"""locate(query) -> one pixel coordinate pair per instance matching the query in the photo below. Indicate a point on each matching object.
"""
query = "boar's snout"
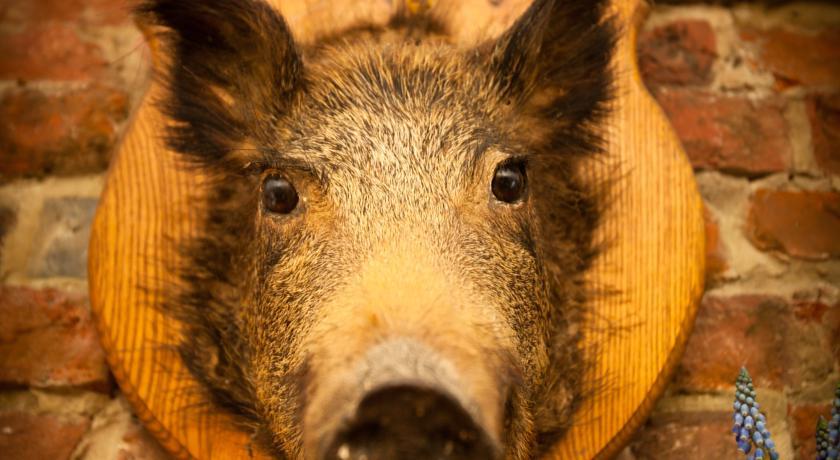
(409, 421)
(404, 401)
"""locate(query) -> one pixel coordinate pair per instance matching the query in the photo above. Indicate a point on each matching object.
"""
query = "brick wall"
(70, 73)
(754, 93)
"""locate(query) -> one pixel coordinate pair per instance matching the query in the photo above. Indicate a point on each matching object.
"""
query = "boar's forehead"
(390, 112)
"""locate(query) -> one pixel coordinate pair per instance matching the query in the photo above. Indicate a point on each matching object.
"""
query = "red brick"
(686, 435)
(791, 346)
(804, 420)
(824, 114)
(730, 332)
(812, 306)
(51, 51)
(810, 311)
(802, 224)
(25, 436)
(807, 351)
(47, 339)
(730, 134)
(87, 12)
(69, 133)
(716, 263)
(813, 348)
(679, 53)
(798, 58)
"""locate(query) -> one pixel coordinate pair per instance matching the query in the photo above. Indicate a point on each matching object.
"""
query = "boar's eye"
(279, 195)
(509, 181)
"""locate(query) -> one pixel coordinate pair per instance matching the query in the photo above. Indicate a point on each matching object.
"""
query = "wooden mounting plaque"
(655, 261)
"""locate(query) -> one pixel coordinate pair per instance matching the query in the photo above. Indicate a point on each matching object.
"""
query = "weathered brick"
(678, 53)
(810, 310)
(833, 321)
(808, 351)
(730, 332)
(730, 134)
(7, 221)
(677, 436)
(804, 423)
(803, 224)
(47, 339)
(797, 58)
(783, 344)
(62, 238)
(716, 263)
(26, 436)
(49, 51)
(85, 12)
(70, 133)
(824, 114)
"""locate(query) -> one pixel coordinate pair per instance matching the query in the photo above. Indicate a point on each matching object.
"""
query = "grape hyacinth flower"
(750, 428)
(822, 439)
(832, 431)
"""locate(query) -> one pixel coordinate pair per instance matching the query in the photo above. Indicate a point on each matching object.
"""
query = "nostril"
(409, 422)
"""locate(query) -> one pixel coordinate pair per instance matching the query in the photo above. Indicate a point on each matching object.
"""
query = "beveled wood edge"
(624, 435)
(161, 434)
(176, 448)
(622, 438)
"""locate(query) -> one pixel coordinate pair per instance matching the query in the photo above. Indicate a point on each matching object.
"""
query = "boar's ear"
(233, 67)
(555, 60)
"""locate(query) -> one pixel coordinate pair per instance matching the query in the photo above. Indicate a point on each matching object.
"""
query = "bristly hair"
(235, 70)
(554, 65)
(234, 66)
(554, 61)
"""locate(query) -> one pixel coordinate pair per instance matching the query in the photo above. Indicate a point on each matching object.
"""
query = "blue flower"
(750, 427)
(822, 439)
(827, 435)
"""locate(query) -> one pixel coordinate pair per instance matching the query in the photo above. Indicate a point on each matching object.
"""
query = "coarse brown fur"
(391, 135)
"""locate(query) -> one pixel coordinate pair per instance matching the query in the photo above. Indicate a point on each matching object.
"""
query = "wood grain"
(655, 259)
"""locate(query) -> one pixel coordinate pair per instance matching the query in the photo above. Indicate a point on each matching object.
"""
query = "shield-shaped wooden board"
(655, 259)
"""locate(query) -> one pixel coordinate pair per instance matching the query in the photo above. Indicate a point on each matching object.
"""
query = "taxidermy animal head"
(395, 227)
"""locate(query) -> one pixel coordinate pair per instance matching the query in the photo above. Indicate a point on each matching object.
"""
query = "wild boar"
(396, 228)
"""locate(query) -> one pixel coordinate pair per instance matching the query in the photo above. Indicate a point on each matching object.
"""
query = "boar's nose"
(410, 422)
(404, 400)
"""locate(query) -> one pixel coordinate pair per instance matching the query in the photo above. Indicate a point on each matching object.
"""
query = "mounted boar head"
(395, 231)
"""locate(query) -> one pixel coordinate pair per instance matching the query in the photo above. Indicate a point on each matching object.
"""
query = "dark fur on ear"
(233, 65)
(554, 62)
